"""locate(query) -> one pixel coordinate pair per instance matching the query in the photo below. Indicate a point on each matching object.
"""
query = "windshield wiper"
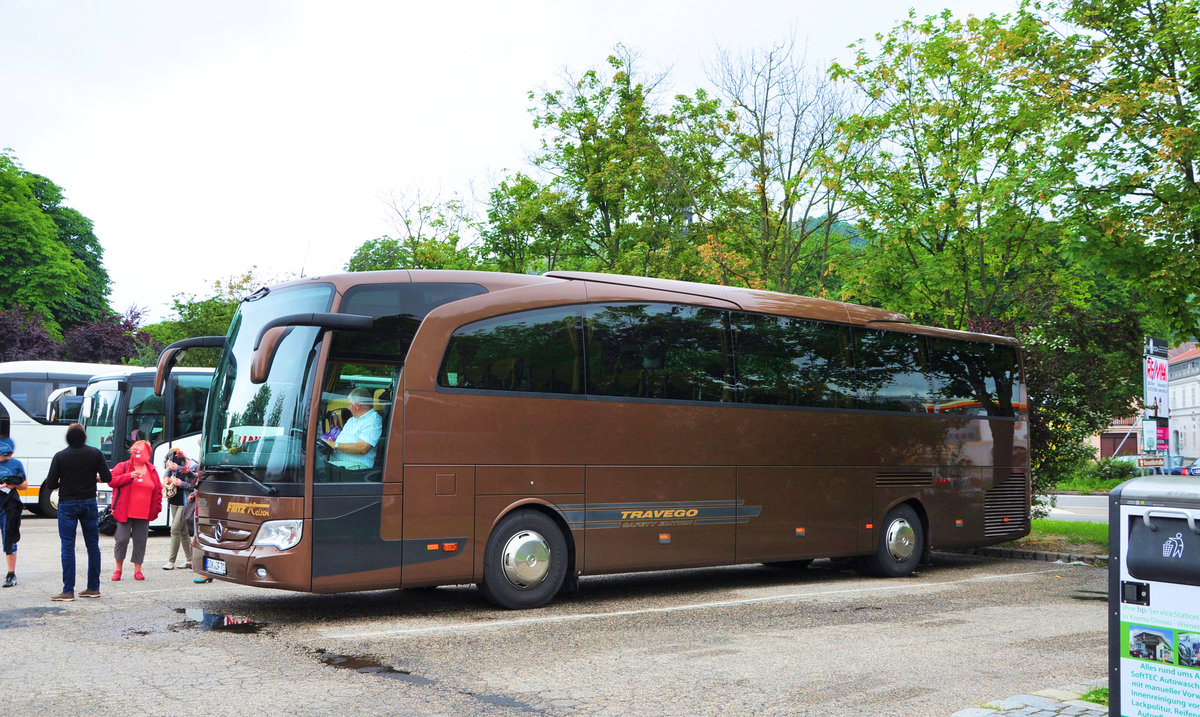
(269, 490)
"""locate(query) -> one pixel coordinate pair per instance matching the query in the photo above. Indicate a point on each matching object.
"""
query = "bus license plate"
(214, 566)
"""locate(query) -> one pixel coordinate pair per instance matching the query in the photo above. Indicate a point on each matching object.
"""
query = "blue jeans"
(84, 513)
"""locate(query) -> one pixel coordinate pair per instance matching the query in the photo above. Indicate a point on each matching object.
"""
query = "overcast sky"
(206, 137)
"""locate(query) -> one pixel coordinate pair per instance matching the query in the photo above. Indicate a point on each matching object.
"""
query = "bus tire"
(47, 507)
(899, 547)
(525, 562)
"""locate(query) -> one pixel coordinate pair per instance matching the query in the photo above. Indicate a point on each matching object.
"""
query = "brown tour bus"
(417, 428)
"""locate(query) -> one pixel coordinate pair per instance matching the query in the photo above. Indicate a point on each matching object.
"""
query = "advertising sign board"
(1154, 597)
(1155, 371)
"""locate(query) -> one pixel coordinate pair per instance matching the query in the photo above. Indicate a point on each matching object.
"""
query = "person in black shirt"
(75, 471)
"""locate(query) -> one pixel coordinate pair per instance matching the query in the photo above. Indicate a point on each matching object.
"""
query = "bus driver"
(355, 445)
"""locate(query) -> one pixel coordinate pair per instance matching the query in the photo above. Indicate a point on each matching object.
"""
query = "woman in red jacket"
(138, 501)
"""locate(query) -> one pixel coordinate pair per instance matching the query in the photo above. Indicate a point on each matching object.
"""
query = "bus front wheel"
(525, 561)
(899, 547)
(47, 505)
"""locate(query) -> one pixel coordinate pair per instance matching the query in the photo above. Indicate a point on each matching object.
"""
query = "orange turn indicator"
(870, 526)
(450, 547)
(664, 538)
(799, 532)
(432, 546)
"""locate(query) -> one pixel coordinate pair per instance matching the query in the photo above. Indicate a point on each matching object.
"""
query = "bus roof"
(754, 300)
(129, 371)
(52, 369)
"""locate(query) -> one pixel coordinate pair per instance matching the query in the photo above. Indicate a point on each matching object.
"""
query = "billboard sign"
(1154, 378)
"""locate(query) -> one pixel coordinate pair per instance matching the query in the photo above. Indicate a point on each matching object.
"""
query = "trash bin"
(1154, 597)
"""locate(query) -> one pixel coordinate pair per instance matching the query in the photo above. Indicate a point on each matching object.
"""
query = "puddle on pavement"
(216, 621)
(17, 617)
(367, 666)
(505, 702)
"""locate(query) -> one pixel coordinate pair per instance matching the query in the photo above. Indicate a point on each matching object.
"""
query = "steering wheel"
(325, 445)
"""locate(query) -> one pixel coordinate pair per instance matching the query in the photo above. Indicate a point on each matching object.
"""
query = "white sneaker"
(168, 566)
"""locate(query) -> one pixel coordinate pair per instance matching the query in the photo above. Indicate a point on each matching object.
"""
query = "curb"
(1063, 701)
(1045, 556)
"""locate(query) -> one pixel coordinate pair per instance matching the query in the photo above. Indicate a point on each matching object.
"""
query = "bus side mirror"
(275, 330)
(264, 354)
(169, 355)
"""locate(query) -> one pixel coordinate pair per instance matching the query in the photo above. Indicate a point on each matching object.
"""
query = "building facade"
(1184, 386)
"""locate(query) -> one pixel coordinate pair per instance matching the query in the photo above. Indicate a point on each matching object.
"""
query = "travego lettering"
(666, 513)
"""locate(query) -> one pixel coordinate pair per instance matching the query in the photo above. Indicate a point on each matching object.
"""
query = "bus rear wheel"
(899, 547)
(525, 561)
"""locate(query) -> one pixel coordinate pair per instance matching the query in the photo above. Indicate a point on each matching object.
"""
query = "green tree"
(430, 236)
(529, 227)
(963, 174)
(970, 160)
(207, 316)
(75, 233)
(638, 180)
(1129, 85)
(783, 135)
(41, 271)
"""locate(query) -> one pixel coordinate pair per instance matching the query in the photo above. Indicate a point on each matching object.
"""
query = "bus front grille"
(1006, 507)
(903, 478)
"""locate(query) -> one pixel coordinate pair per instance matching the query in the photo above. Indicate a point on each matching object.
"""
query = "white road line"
(501, 624)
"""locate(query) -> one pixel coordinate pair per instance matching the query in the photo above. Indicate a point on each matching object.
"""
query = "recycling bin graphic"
(1154, 597)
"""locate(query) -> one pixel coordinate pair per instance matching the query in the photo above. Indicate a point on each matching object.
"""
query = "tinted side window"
(664, 351)
(536, 351)
(891, 371)
(399, 309)
(973, 378)
(791, 362)
(145, 422)
(191, 393)
(31, 395)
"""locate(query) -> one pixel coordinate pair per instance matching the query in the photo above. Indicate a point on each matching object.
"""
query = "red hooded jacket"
(122, 475)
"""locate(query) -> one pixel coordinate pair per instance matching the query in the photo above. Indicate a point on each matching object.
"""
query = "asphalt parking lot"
(736, 640)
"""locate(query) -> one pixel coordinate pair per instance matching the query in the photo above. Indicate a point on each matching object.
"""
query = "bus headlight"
(282, 534)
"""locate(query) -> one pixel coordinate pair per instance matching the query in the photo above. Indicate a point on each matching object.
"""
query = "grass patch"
(1086, 485)
(1062, 536)
(1099, 696)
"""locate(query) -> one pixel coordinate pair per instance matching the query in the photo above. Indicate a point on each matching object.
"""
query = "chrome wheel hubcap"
(901, 540)
(526, 559)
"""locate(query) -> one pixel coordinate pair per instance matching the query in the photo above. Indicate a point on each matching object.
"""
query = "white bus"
(119, 407)
(38, 400)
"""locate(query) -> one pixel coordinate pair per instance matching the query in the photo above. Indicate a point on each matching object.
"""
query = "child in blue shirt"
(12, 479)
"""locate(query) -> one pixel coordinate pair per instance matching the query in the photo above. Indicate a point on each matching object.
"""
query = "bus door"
(355, 509)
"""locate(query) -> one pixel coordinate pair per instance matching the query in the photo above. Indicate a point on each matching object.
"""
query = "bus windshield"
(258, 431)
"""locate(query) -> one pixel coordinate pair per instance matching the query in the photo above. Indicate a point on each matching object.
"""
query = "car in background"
(1191, 469)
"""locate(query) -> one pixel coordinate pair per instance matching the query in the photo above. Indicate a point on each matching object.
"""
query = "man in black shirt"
(75, 471)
